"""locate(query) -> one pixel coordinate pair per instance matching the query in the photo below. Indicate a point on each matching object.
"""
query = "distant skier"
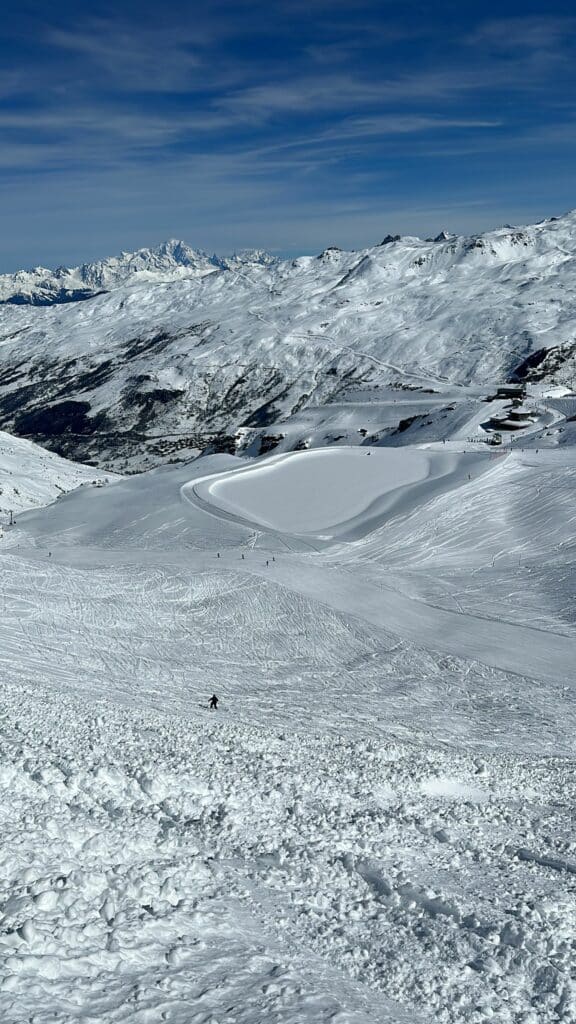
(213, 705)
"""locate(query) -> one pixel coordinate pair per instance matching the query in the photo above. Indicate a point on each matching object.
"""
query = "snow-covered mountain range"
(185, 351)
(171, 260)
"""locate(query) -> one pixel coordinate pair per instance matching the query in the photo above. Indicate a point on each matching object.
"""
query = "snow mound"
(342, 490)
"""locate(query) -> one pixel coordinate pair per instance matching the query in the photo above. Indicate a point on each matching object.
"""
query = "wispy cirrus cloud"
(190, 109)
(160, 59)
(374, 128)
(526, 33)
(302, 94)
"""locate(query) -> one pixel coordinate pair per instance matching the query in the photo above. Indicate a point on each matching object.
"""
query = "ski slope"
(377, 825)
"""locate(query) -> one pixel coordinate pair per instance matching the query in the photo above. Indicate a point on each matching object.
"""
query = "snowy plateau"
(338, 493)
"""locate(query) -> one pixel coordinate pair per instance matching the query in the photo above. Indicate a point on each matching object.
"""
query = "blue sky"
(288, 125)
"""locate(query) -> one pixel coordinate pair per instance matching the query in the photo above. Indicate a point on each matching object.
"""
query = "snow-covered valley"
(377, 824)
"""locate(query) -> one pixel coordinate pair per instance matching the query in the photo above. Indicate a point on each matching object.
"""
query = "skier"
(213, 705)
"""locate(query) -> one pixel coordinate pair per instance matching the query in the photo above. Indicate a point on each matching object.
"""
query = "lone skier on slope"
(213, 705)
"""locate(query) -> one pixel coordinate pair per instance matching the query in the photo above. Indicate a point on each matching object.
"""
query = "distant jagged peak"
(568, 219)
(548, 233)
(167, 254)
(174, 253)
(177, 249)
(170, 258)
(254, 257)
(331, 253)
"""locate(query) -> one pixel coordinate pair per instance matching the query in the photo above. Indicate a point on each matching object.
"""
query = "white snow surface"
(303, 493)
(30, 475)
(378, 822)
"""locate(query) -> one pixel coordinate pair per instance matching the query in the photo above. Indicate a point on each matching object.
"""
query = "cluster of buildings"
(516, 416)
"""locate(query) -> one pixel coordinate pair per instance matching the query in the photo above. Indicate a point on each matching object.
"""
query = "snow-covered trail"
(162, 636)
(525, 651)
(509, 647)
